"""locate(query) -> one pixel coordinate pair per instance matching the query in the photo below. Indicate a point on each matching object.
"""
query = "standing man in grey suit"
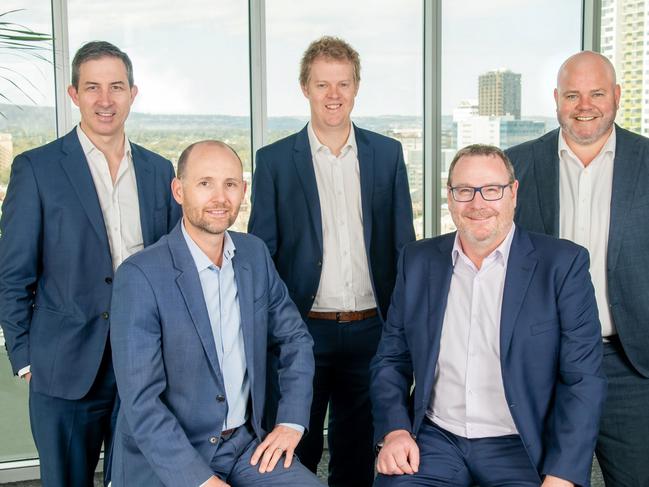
(194, 317)
(333, 205)
(587, 181)
(75, 209)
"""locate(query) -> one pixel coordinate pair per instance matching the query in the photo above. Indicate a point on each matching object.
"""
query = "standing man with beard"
(75, 209)
(587, 181)
(333, 205)
(498, 329)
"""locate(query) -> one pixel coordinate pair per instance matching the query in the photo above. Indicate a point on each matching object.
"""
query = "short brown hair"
(482, 150)
(331, 48)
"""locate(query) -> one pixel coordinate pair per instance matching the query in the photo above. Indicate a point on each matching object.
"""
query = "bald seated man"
(587, 181)
(194, 318)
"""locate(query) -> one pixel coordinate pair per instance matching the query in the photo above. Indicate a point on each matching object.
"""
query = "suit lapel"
(546, 170)
(625, 182)
(145, 179)
(440, 272)
(190, 287)
(245, 293)
(75, 165)
(306, 173)
(520, 269)
(366, 169)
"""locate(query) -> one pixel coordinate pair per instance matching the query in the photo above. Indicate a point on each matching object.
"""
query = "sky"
(192, 56)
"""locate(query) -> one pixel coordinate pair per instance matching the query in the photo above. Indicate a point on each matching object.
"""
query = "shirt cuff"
(206, 481)
(24, 371)
(297, 427)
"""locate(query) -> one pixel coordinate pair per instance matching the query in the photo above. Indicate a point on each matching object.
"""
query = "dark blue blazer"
(537, 168)
(167, 368)
(286, 212)
(55, 265)
(550, 348)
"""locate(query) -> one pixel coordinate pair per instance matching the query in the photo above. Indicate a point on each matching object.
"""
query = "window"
(499, 65)
(27, 120)
(389, 39)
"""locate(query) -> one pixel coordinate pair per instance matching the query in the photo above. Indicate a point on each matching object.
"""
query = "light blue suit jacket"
(550, 348)
(56, 269)
(166, 363)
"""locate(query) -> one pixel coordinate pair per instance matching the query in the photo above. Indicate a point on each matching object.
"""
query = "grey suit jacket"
(537, 168)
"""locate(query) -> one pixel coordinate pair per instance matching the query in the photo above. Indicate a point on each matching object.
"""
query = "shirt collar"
(317, 146)
(500, 254)
(563, 148)
(88, 147)
(201, 260)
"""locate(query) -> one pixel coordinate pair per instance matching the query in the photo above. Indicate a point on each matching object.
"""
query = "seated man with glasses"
(498, 328)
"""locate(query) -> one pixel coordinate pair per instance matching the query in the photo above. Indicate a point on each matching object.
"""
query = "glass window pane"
(27, 120)
(624, 41)
(389, 40)
(499, 67)
(190, 63)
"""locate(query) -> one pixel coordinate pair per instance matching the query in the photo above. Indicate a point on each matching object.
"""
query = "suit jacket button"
(109, 280)
(319, 263)
(312, 296)
(105, 315)
(213, 440)
(220, 398)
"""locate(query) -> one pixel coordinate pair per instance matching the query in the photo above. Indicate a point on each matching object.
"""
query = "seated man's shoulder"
(553, 248)
(428, 247)
(154, 256)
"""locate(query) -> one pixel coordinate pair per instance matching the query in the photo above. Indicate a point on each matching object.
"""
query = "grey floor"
(322, 474)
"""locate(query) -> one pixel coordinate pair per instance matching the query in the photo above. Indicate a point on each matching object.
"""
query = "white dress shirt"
(585, 213)
(468, 395)
(345, 283)
(118, 201)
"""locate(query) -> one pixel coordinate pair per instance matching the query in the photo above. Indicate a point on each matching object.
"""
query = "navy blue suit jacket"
(55, 264)
(627, 262)
(167, 368)
(550, 348)
(286, 212)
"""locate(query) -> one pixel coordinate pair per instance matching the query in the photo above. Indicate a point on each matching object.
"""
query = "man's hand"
(281, 441)
(27, 377)
(551, 481)
(399, 455)
(214, 481)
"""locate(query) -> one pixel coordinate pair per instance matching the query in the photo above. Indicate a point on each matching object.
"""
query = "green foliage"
(17, 39)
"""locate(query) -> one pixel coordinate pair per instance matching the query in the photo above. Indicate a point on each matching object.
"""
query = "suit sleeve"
(20, 252)
(141, 380)
(404, 231)
(288, 333)
(573, 424)
(263, 215)
(391, 372)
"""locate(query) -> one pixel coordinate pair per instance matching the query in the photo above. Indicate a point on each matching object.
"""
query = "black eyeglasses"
(490, 192)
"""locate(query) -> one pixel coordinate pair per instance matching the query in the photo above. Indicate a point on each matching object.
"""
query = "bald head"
(587, 99)
(587, 61)
(201, 146)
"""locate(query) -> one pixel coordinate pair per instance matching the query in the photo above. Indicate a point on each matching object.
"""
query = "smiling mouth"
(333, 106)
(107, 115)
(217, 213)
(585, 119)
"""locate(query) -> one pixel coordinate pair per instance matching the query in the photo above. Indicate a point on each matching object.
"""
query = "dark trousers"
(447, 460)
(69, 434)
(623, 443)
(343, 352)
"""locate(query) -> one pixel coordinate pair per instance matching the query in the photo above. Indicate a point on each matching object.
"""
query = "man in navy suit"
(75, 208)
(498, 328)
(587, 182)
(194, 317)
(333, 205)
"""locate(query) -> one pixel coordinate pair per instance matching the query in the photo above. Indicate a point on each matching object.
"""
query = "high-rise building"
(625, 25)
(499, 94)
(6, 150)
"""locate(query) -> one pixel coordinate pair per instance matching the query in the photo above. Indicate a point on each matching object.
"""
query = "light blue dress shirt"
(222, 301)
